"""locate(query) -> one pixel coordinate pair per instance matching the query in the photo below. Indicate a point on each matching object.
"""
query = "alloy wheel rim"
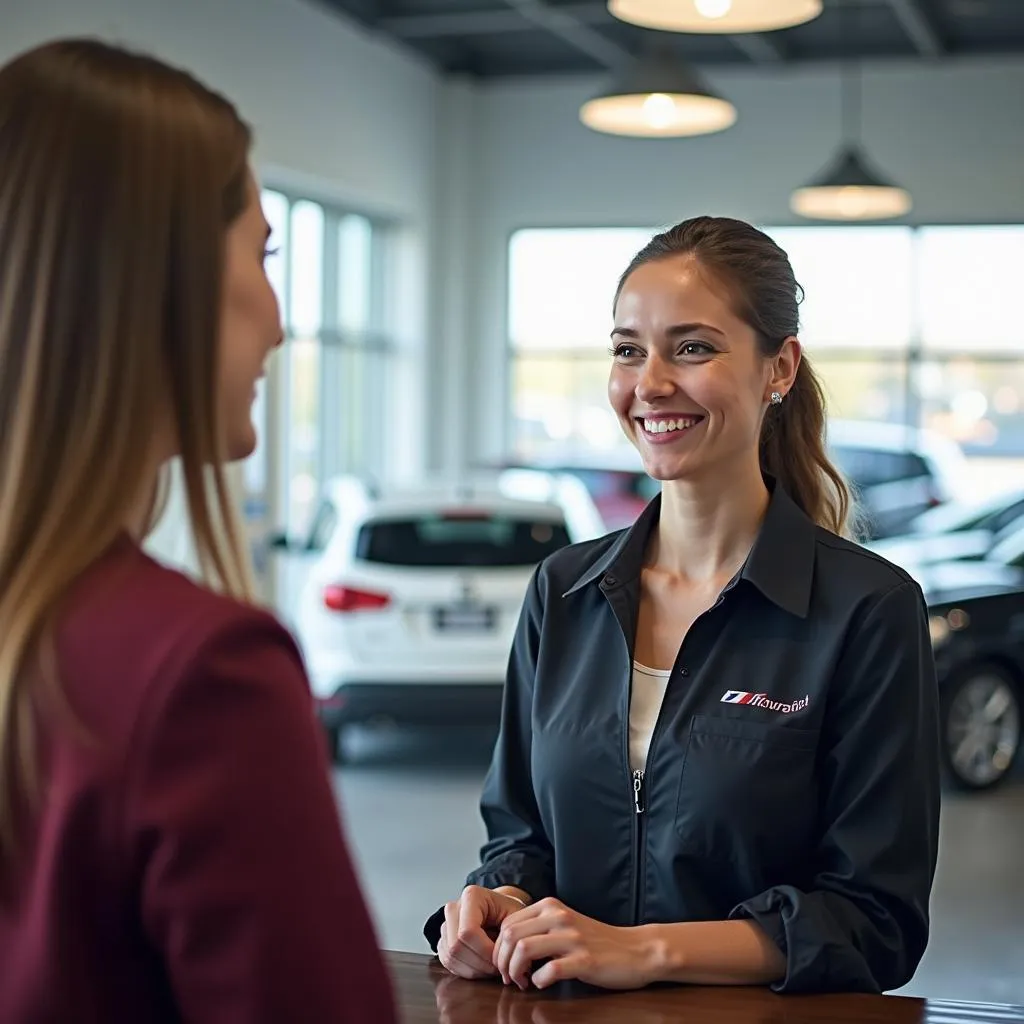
(984, 729)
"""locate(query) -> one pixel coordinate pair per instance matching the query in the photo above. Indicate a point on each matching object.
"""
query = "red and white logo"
(740, 697)
(762, 700)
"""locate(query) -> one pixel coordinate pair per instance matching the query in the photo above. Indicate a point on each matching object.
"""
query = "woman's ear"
(785, 364)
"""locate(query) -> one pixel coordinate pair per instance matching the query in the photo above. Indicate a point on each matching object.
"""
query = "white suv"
(409, 613)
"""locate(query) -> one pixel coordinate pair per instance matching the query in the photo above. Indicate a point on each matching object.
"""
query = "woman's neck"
(707, 527)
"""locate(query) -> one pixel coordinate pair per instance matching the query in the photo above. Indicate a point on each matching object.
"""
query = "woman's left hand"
(573, 946)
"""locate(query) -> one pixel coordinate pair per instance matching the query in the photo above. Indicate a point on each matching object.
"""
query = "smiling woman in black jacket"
(718, 758)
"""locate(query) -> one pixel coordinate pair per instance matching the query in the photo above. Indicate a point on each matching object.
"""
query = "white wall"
(329, 103)
(952, 133)
(336, 113)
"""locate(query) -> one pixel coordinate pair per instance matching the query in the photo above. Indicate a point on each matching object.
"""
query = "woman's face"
(687, 383)
(250, 327)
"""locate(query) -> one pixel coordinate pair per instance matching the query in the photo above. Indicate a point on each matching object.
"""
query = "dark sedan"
(977, 627)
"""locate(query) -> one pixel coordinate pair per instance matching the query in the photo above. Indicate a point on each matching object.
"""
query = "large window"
(327, 273)
(916, 325)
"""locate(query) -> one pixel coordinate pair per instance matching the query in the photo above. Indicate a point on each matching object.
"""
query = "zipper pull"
(638, 791)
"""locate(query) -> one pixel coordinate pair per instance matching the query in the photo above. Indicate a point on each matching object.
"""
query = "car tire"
(968, 703)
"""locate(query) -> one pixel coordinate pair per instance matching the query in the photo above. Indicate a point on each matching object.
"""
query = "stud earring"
(776, 398)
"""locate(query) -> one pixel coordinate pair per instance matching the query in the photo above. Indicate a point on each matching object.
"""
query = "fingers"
(549, 915)
(514, 929)
(464, 949)
(538, 947)
(573, 965)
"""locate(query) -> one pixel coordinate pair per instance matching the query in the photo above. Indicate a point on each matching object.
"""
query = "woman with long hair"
(169, 842)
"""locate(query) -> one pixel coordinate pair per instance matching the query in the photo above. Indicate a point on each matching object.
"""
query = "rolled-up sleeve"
(862, 923)
(518, 851)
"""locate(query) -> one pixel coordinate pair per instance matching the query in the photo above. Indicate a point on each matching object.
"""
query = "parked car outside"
(897, 472)
(409, 609)
(976, 621)
(957, 530)
(615, 480)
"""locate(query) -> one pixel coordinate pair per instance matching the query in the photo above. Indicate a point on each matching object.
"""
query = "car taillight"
(340, 598)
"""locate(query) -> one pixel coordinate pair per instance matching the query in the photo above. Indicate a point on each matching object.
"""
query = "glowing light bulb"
(713, 8)
(851, 202)
(659, 110)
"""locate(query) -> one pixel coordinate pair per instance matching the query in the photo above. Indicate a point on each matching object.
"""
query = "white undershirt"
(649, 685)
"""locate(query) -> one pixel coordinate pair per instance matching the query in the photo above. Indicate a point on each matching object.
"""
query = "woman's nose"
(655, 379)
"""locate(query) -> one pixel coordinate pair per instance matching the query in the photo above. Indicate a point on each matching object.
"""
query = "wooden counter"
(427, 994)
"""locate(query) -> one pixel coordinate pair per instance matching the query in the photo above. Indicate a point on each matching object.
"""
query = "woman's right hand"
(471, 924)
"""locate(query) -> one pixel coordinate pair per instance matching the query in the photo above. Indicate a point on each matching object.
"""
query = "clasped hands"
(487, 934)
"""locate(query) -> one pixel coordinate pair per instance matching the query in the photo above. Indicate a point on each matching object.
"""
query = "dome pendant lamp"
(657, 96)
(850, 188)
(725, 16)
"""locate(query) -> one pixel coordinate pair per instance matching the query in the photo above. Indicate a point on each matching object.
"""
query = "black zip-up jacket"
(793, 774)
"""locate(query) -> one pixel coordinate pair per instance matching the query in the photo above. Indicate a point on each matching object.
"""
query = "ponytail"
(792, 450)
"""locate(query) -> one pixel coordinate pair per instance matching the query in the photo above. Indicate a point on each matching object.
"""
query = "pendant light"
(727, 16)
(656, 95)
(850, 188)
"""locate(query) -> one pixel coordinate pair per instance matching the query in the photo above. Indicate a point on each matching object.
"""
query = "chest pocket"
(747, 793)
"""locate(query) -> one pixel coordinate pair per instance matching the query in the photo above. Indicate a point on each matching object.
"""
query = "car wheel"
(981, 726)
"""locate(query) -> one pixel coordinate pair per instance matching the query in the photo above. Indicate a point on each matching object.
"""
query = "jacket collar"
(780, 564)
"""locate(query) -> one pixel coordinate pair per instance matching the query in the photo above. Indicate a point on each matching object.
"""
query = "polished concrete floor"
(409, 803)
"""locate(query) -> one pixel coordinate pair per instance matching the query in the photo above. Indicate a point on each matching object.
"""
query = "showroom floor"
(410, 809)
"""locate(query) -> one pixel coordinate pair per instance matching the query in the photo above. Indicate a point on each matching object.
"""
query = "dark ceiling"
(499, 38)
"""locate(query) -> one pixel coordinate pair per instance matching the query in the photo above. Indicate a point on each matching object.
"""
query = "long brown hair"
(118, 178)
(760, 279)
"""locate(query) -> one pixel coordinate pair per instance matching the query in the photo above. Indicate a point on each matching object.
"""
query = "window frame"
(910, 359)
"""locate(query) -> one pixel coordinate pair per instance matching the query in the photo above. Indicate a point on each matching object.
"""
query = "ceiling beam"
(759, 48)
(489, 22)
(572, 31)
(919, 26)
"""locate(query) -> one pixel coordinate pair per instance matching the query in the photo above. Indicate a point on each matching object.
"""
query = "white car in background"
(409, 612)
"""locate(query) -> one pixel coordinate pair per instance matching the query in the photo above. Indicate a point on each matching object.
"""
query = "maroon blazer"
(186, 862)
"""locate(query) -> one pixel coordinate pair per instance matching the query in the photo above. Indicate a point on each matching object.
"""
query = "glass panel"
(355, 236)
(303, 434)
(562, 284)
(486, 541)
(872, 387)
(275, 209)
(306, 253)
(255, 469)
(857, 282)
(977, 402)
(560, 407)
(303, 425)
(969, 284)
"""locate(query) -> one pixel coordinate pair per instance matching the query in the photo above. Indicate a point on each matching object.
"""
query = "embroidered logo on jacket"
(762, 700)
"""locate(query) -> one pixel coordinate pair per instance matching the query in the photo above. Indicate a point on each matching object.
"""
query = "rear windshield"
(437, 541)
(867, 467)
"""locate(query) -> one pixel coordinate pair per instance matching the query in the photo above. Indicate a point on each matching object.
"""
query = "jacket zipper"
(638, 778)
(638, 807)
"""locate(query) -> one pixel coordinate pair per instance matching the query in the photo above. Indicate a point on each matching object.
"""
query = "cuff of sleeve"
(765, 911)
(432, 929)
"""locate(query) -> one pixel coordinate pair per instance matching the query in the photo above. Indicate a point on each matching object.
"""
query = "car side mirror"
(293, 545)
